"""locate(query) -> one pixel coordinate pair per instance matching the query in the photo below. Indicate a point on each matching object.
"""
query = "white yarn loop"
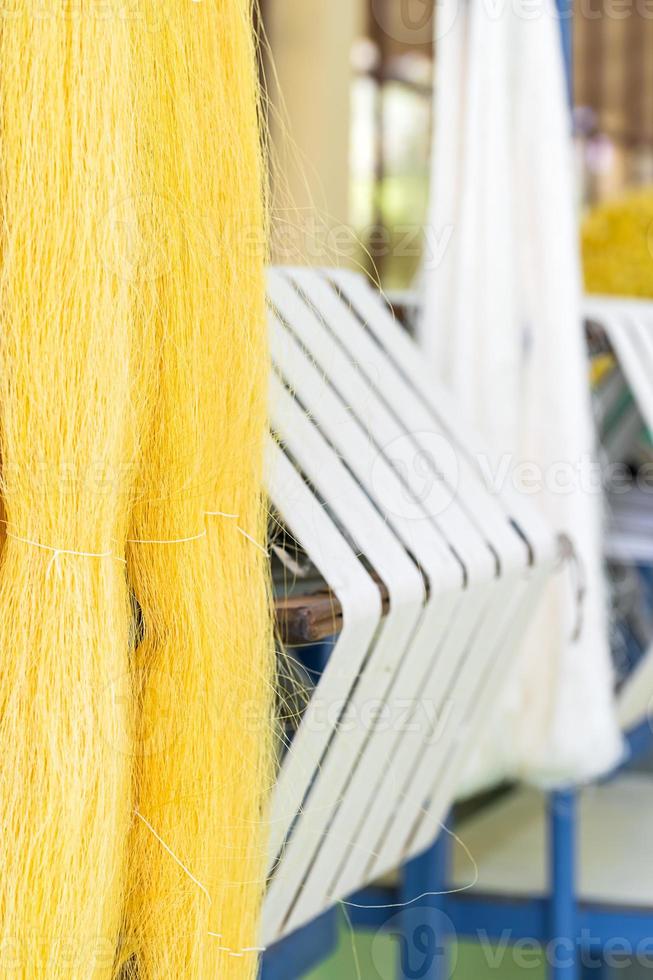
(192, 537)
(58, 552)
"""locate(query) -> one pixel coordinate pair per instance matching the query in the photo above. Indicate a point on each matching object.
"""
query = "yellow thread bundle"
(67, 431)
(132, 328)
(617, 246)
(207, 651)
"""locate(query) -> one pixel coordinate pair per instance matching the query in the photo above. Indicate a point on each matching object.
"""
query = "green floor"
(377, 958)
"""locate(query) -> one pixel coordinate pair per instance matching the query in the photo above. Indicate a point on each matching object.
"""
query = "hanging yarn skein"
(502, 328)
(67, 428)
(204, 668)
(617, 245)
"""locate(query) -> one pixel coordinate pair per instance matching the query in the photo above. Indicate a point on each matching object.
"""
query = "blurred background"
(351, 92)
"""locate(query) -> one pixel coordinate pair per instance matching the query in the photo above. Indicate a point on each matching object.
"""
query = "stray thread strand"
(237, 952)
(219, 513)
(174, 856)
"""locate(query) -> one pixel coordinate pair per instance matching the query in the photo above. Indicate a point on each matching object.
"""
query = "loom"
(428, 582)
(627, 325)
(527, 884)
(573, 873)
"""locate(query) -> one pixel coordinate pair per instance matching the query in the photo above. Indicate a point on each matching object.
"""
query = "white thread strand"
(352, 939)
(448, 891)
(174, 856)
(58, 552)
(237, 952)
(193, 537)
(202, 534)
(223, 949)
(253, 540)
(219, 513)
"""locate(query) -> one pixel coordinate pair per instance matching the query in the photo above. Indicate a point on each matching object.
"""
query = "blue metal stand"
(293, 957)
(563, 924)
(425, 928)
(305, 949)
(600, 971)
(575, 937)
(566, 15)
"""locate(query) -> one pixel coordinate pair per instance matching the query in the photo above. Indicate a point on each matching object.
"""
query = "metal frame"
(628, 326)
(305, 949)
(557, 917)
(428, 872)
(573, 929)
(558, 921)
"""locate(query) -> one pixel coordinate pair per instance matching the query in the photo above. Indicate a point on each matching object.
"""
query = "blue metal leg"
(294, 956)
(563, 924)
(565, 13)
(425, 927)
(599, 972)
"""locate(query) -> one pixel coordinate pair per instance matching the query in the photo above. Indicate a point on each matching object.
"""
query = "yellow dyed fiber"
(67, 429)
(617, 246)
(205, 768)
(136, 756)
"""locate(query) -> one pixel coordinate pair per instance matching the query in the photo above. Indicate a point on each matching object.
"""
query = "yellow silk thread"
(617, 245)
(133, 379)
(68, 430)
(206, 657)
